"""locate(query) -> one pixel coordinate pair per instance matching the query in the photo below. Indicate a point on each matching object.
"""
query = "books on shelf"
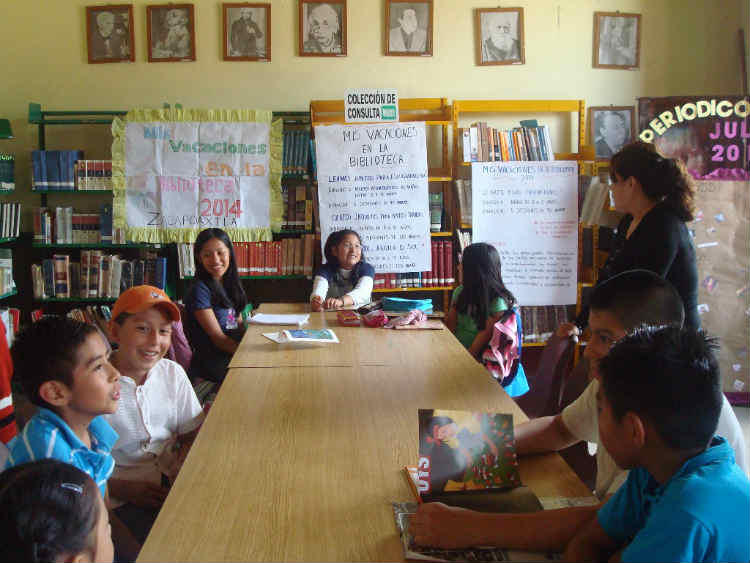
(7, 172)
(463, 195)
(296, 152)
(436, 211)
(97, 315)
(62, 226)
(297, 206)
(54, 170)
(285, 257)
(95, 275)
(10, 219)
(441, 274)
(539, 322)
(7, 284)
(93, 175)
(482, 143)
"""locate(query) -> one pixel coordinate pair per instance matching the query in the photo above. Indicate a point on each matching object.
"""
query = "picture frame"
(610, 128)
(322, 28)
(170, 30)
(617, 40)
(109, 34)
(247, 31)
(408, 31)
(499, 36)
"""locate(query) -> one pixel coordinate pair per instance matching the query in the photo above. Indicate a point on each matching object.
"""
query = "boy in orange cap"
(158, 414)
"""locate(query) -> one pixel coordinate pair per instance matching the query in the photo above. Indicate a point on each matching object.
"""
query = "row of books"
(97, 275)
(10, 219)
(10, 317)
(6, 271)
(296, 153)
(54, 170)
(463, 196)
(62, 226)
(93, 175)
(482, 143)
(285, 257)
(540, 322)
(441, 274)
(436, 212)
(7, 172)
(97, 315)
(298, 206)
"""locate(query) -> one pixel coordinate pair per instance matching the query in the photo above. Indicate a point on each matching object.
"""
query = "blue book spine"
(105, 221)
(48, 273)
(52, 161)
(160, 280)
(39, 168)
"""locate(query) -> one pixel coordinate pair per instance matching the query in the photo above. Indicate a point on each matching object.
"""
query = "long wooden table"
(301, 462)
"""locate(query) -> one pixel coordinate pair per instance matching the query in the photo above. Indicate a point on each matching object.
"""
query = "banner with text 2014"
(176, 172)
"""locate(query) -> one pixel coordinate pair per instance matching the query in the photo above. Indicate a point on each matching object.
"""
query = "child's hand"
(333, 303)
(446, 527)
(144, 494)
(316, 303)
(568, 330)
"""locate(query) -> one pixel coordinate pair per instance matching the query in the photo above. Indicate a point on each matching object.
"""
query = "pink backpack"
(500, 356)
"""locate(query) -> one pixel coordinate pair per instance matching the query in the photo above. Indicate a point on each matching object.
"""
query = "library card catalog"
(529, 212)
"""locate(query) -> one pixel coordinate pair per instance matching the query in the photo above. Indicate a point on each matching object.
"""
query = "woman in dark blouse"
(656, 195)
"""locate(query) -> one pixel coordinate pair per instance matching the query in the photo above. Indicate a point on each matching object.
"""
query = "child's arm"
(591, 543)
(484, 336)
(139, 493)
(319, 292)
(545, 434)
(451, 319)
(210, 325)
(448, 527)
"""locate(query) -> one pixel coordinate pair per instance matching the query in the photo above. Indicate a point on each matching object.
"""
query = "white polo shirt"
(148, 419)
(582, 420)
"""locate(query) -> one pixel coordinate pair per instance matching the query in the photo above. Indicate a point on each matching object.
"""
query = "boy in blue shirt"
(685, 498)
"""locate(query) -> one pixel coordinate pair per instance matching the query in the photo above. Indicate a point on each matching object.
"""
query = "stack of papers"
(266, 319)
(323, 335)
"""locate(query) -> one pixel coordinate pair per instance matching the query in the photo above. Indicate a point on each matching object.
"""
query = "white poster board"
(529, 212)
(373, 179)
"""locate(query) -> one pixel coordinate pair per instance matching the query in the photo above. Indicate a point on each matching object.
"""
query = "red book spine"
(433, 273)
(448, 260)
(440, 266)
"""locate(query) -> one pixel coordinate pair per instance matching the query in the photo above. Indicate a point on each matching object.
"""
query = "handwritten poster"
(177, 173)
(373, 179)
(529, 212)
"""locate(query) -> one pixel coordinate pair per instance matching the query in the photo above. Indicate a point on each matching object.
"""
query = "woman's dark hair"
(660, 177)
(47, 509)
(334, 239)
(60, 338)
(483, 283)
(229, 292)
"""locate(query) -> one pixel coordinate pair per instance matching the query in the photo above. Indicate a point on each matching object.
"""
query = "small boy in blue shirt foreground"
(685, 498)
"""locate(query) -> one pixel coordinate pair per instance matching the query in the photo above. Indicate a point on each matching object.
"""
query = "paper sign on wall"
(373, 179)
(529, 212)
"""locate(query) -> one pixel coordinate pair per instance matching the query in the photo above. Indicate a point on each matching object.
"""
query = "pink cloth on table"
(415, 316)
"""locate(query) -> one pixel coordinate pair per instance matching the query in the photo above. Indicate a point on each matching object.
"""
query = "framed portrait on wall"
(170, 32)
(499, 36)
(109, 33)
(247, 32)
(322, 28)
(610, 129)
(408, 28)
(617, 40)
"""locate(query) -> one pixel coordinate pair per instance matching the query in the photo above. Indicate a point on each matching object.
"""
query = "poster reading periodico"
(529, 212)
(373, 179)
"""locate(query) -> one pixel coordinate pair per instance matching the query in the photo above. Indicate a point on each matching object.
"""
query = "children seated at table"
(52, 511)
(63, 367)
(685, 498)
(214, 306)
(480, 303)
(158, 414)
(345, 279)
(618, 305)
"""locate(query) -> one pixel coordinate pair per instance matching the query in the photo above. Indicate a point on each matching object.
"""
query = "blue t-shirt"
(701, 514)
(339, 286)
(199, 298)
(46, 435)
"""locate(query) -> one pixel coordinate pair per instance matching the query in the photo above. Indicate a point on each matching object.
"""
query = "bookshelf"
(437, 115)
(465, 110)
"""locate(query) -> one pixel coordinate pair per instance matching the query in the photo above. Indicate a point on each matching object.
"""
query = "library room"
(434, 280)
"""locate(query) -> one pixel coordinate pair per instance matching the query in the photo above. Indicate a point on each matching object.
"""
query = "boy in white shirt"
(158, 415)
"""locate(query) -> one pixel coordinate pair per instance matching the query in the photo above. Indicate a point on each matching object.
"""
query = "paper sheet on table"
(304, 337)
(288, 319)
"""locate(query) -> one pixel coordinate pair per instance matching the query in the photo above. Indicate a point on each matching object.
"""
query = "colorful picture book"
(462, 451)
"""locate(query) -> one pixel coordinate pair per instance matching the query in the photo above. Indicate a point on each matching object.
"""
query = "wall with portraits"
(687, 47)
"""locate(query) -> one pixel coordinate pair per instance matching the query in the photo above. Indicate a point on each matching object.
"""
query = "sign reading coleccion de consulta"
(370, 104)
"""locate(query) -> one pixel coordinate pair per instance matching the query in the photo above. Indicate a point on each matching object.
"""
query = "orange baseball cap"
(140, 298)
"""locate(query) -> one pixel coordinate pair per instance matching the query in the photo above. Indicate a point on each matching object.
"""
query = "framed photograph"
(322, 28)
(409, 28)
(617, 40)
(611, 128)
(171, 32)
(109, 33)
(247, 32)
(499, 36)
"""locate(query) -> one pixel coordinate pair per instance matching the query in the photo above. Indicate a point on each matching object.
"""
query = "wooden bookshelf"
(405, 289)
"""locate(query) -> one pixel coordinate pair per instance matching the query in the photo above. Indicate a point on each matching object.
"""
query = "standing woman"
(214, 305)
(656, 195)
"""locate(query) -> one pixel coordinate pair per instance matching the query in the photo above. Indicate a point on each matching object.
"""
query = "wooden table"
(301, 463)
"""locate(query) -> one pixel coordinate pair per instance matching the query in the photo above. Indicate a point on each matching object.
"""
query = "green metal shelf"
(71, 191)
(96, 245)
(77, 299)
(8, 239)
(11, 293)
